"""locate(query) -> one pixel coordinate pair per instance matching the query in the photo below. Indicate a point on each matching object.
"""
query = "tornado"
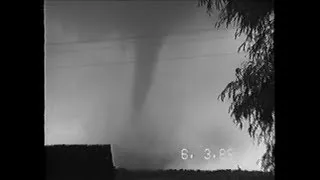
(147, 27)
(150, 24)
(147, 51)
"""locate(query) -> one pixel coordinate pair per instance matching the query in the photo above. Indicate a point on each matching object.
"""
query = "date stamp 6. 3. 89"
(206, 154)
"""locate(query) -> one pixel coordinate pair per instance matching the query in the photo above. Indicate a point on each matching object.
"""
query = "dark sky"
(144, 76)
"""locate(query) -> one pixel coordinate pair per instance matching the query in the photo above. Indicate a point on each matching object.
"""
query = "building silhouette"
(79, 162)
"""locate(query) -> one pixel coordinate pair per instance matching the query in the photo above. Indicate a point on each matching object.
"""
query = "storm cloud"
(143, 76)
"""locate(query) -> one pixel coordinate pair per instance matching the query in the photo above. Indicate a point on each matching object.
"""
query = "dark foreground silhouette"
(94, 162)
(68, 162)
(122, 174)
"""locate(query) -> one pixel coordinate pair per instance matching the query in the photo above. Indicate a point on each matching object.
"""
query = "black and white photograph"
(159, 89)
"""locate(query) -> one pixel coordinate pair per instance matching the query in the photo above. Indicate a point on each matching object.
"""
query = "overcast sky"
(144, 76)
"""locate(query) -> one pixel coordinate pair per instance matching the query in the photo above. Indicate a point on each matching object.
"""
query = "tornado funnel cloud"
(151, 24)
(146, 60)
(147, 51)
